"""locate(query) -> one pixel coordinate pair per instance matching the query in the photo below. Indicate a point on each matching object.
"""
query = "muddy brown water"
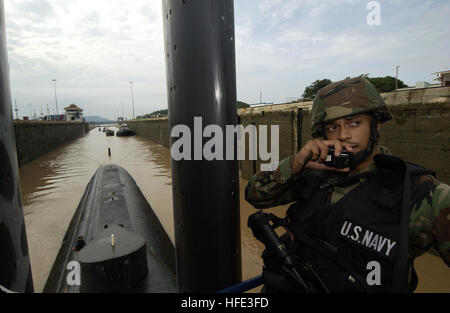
(53, 184)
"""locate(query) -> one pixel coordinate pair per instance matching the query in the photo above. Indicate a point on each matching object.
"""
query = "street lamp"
(132, 97)
(396, 76)
(17, 110)
(56, 99)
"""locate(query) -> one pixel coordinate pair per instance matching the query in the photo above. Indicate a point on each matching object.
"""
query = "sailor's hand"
(314, 154)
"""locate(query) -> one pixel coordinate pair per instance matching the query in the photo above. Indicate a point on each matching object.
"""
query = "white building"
(74, 113)
(444, 78)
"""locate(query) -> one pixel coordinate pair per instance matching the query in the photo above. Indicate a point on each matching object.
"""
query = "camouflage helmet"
(345, 98)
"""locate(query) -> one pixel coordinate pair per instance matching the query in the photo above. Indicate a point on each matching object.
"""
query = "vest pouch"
(339, 281)
(387, 187)
(384, 197)
(301, 216)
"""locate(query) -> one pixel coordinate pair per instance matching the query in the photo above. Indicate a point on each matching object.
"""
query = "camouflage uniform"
(429, 219)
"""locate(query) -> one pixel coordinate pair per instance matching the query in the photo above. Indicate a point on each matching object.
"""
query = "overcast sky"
(94, 48)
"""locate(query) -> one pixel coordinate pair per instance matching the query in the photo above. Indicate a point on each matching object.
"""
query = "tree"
(386, 84)
(383, 84)
(160, 113)
(311, 91)
(241, 105)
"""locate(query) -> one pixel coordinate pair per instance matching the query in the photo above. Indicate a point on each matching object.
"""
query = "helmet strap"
(359, 157)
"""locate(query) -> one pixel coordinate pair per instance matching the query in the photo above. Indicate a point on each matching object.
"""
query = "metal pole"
(17, 110)
(31, 114)
(199, 38)
(15, 269)
(56, 99)
(396, 76)
(132, 97)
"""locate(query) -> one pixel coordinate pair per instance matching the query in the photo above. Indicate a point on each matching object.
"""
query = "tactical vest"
(353, 244)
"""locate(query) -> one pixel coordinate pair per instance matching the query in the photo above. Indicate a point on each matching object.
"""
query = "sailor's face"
(353, 130)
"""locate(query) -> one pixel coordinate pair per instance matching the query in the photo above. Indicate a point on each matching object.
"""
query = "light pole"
(396, 76)
(17, 110)
(56, 99)
(132, 97)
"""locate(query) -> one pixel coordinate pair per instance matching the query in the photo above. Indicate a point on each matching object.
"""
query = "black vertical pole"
(201, 82)
(15, 269)
(299, 129)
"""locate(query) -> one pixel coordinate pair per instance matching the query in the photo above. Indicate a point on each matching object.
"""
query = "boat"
(109, 132)
(125, 131)
(117, 241)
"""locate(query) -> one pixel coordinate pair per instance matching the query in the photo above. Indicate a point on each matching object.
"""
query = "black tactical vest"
(359, 235)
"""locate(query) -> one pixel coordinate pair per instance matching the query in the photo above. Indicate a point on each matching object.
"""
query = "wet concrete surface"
(53, 184)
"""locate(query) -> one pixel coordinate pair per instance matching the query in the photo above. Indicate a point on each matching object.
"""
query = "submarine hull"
(114, 242)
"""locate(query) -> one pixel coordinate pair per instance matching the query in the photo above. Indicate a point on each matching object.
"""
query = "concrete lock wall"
(156, 130)
(35, 138)
(419, 132)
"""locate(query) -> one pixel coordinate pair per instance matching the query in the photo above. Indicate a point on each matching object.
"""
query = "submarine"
(115, 242)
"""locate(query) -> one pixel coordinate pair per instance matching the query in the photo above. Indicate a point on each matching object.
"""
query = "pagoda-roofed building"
(74, 113)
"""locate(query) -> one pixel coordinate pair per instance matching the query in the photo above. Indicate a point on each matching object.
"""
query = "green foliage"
(160, 113)
(311, 91)
(241, 105)
(386, 84)
(382, 84)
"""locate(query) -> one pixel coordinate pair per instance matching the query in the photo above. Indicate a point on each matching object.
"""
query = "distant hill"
(97, 119)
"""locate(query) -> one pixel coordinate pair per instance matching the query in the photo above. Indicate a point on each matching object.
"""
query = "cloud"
(312, 40)
(35, 11)
(95, 47)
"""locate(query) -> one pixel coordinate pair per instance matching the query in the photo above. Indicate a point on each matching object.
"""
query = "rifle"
(303, 275)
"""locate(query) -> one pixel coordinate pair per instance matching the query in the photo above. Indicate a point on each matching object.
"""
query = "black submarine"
(115, 242)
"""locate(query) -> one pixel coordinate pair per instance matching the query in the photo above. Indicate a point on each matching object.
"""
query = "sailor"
(361, 227)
